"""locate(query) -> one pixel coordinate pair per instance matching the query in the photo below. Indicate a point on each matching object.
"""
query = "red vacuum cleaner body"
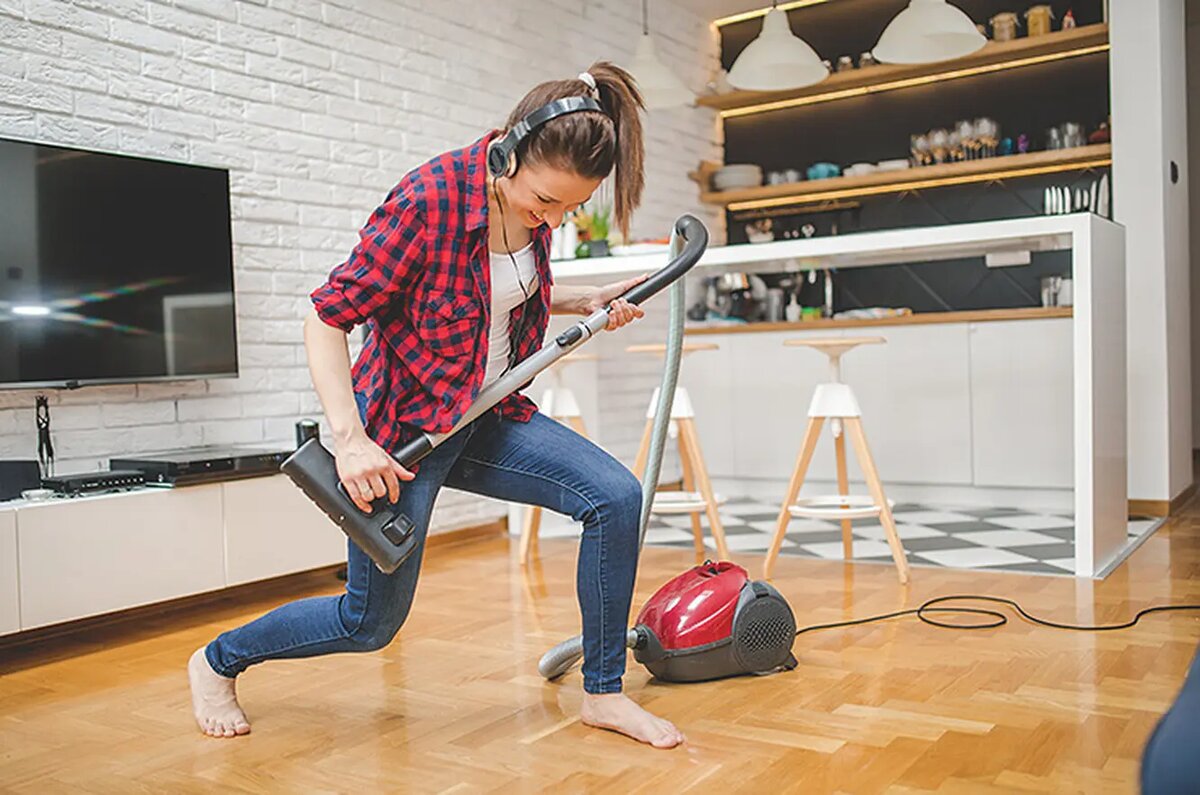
(711, 622)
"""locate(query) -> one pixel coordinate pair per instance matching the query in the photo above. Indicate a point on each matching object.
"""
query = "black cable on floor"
(996, 619)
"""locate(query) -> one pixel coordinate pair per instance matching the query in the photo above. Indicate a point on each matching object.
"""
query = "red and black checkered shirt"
(420, 279)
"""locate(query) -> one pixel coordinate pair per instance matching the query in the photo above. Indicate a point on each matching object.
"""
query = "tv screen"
(112, 268)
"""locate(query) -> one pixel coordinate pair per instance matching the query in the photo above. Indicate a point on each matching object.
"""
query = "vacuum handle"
(695, 237)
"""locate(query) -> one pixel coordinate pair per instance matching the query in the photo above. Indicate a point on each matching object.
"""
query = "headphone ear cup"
(499, 159)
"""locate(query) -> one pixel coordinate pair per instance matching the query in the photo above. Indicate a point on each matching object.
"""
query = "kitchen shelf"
(968, 171)
(993, 57)
(917, 319)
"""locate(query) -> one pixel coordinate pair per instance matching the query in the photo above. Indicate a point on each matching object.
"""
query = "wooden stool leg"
(807, 448)
(576, 424)
(529, 532)
(839, 445)
(691, 443)
(853, 426)
(689, 484)
(643, 453)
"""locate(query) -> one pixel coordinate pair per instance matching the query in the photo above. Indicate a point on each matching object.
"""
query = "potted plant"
(593, 226)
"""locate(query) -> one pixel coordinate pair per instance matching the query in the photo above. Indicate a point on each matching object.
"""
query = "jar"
(1004, 26)
(1037, 20)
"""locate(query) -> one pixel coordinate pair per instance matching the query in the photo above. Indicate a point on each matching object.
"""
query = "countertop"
(924, 318)
(916, 244)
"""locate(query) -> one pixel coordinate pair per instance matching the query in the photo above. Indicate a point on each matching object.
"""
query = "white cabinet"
(1021, 392)
(707, 376)
(915, 399)
(773, 386)
(271, 529)
(10, 615)
(94, 555)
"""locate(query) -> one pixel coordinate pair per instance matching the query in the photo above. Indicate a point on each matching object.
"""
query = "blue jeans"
(541, 462)
(1170, 765)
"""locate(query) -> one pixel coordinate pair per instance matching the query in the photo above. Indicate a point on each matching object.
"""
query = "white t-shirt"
(507, 296)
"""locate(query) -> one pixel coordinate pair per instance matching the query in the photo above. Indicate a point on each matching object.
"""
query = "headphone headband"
(501, 154)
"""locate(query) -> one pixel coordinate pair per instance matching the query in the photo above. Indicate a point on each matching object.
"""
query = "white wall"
(1150, 131)
(1193, 104)
(317, 108)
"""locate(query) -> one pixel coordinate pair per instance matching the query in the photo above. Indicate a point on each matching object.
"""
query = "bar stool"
(558, 402)
(698, 497)
(835, 401)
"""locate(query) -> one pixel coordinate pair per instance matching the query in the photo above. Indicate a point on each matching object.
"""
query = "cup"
(1051, 290)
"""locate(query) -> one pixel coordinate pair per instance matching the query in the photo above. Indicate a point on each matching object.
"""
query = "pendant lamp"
(928, 31)
(777, 60)
(659, 86)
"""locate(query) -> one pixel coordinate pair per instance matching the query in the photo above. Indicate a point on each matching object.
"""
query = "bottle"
(792, 310)
(570, 240)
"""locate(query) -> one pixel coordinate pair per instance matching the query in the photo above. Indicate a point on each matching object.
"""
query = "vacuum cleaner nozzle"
(385, 534)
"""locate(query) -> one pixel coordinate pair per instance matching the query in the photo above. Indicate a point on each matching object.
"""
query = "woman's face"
(539, 194)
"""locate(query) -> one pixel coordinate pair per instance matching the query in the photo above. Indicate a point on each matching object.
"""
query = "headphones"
(502, 152)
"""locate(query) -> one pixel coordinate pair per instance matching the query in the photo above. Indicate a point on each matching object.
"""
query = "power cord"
(996, 619)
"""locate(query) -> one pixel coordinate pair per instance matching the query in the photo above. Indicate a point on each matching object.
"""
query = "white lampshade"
(928, 31)
(659, 86)
(776, 60)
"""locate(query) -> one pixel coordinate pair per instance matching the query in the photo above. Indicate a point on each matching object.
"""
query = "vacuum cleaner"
(707, 623)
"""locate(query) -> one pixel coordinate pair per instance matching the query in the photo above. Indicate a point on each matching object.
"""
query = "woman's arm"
(573, 299)
(366, 471)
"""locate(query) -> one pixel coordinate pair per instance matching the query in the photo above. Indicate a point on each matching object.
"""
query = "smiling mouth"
(536, 219)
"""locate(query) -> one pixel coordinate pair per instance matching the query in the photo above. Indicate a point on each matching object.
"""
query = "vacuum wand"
(386, 534)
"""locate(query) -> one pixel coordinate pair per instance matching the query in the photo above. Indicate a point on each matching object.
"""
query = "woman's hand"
(368, 472)
(621, 312)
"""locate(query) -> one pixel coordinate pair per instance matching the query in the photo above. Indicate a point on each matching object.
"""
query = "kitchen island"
(1023, 407)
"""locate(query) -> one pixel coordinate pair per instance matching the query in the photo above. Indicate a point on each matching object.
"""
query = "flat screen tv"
(112, 269)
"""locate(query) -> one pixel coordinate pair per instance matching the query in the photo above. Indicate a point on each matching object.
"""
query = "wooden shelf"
(880, 183)
(993, 57)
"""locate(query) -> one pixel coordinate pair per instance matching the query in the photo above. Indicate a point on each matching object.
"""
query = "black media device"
(95, 482)
(113, 269)
(204, 464)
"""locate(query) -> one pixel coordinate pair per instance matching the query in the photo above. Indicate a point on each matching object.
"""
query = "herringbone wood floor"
(456, 704)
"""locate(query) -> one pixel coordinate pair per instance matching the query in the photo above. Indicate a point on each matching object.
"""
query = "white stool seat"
(837, 507)
(673, 502)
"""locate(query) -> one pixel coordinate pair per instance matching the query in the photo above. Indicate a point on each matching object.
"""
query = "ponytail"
(588, 143)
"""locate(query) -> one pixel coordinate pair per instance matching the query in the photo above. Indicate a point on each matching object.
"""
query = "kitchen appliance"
(775, 304)
(737, 295)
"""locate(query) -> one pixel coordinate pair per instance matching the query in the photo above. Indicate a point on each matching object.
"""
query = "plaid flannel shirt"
(420, 279)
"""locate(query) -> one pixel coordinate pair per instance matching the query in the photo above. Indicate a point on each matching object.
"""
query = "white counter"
(1095, 340)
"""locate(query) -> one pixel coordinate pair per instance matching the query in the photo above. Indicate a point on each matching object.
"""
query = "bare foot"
(214, 700)
(616, 711)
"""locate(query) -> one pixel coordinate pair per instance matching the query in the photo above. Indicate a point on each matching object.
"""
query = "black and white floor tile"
(1003, 539)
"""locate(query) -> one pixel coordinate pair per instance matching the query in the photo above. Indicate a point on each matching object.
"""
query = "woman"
(452, 276)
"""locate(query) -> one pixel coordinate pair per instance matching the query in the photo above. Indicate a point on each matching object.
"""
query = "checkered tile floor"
(1003, 539)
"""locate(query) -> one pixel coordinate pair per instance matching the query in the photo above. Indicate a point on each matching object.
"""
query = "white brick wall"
(316, 108)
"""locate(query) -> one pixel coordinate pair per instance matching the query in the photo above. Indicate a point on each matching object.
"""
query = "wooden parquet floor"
(455, 704)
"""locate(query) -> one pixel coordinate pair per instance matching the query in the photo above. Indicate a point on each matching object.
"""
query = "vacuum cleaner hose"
(688, 232)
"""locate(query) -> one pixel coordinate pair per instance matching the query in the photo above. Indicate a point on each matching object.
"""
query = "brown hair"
(589, 143)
